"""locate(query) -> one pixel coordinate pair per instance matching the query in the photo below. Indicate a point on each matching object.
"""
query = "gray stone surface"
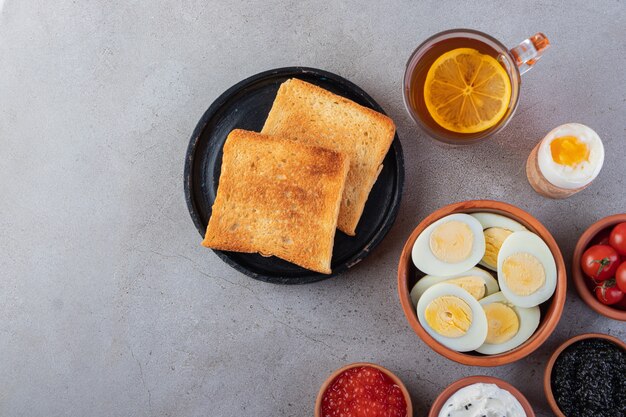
(109, 306)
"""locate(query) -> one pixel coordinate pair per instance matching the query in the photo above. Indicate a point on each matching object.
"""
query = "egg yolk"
(494, 237)
(473, 285)
(451, 242)
(502, 321)
(523, 273)
(449, 316)
(569, 150)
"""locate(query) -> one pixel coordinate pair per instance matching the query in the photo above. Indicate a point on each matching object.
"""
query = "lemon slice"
(466, 91)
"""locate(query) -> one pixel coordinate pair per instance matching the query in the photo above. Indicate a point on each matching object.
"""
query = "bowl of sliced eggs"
(482, 282)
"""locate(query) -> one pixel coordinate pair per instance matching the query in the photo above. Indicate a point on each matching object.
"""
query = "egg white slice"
(426, 261)
(528, 323)
(528, 242)
(491, 285)
(488, 220)
(477, 332)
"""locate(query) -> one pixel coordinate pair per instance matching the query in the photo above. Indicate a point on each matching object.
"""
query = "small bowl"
(547, 376)
(464, 382)
(394, 378)
(550, 310)
(580, 281)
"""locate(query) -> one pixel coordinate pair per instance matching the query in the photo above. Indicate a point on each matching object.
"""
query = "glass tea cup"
(515, 62)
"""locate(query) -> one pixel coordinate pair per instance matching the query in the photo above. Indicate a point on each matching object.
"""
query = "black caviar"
(589, 379)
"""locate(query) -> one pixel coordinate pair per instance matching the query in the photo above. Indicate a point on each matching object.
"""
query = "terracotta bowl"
(462, 383)
(551, 310)
(582, 284)
(395, 379)
(547, 376)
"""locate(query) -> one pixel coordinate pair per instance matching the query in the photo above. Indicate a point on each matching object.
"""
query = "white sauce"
(482, 400)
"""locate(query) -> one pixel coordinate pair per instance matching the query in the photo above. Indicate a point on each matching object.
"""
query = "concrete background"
(109, 306)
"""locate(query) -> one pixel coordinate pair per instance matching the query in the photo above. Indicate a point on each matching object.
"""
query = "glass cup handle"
(527, 53)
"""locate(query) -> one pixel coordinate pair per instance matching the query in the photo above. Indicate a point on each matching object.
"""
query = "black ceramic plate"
(246, 106)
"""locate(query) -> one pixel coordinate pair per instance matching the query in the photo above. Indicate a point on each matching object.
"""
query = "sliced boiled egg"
(508, 325)
(496, 229)
(526, 269)
(570, 156)
(449, 246)
(476, 281)
(452, 317)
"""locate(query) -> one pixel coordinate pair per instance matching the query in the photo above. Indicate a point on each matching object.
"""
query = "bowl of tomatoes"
(599, 266)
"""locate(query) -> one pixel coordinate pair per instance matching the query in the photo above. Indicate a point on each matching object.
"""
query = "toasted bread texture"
(278, 197)
(309, 114)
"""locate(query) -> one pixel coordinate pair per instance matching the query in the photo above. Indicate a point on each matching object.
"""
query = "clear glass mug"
(515, 61)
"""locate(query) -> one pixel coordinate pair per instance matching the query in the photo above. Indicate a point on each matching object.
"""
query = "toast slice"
(278, 197)
(309, 114)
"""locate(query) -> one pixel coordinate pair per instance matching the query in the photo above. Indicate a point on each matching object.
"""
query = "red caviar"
(363, 392)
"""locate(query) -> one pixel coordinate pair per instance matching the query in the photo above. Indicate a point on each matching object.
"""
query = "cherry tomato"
(620, 277)
(617, 239)
(608, 293)
(600, 262)
(622, 304)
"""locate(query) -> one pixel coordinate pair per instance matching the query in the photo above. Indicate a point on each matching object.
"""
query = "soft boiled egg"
(526, 269)
(570, 156)
(508, 325)
(476, 281)
(449, 246)
(452, 317)
(496, 229)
